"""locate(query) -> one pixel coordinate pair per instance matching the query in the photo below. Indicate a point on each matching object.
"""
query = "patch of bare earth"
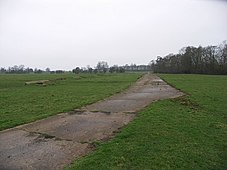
(55, 142)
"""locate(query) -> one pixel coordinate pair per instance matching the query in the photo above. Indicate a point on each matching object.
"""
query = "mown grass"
(20, 103)
(185, 133)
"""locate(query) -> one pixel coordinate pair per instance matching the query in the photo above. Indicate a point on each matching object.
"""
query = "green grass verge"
(20, 103)
(189, 132)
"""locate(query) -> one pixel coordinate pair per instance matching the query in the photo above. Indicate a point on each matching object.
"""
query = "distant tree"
(95, 71)
(2, 70)
(28, 70)
(117, 69)
(59, 71)
(77, 70)
(112, 69)
(83, 70)
(38, 71)
(14, 69)
(90, 70)
(222, 57)
(133, 67)
(102, 66)
(48, 70)
(121, 70)
(21, 68)
(152, 64)
(203, 60)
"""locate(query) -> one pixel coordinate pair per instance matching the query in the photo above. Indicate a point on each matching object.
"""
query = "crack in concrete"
(43, 135)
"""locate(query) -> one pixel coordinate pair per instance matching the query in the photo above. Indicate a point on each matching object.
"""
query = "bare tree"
(205, 60)
(102, 67)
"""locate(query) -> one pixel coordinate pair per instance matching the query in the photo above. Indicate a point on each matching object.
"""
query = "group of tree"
(21, 69)
(116, 69)
(101, 67)
(201, 60)
(198, 60)
(134, 67)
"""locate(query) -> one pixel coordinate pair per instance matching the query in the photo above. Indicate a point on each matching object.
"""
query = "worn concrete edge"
(172, 85)
(114, 133)
(117, 93)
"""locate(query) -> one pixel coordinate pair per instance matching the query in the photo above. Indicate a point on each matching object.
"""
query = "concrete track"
(55, 142)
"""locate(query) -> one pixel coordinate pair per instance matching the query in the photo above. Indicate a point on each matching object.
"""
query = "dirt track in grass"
(55, 142)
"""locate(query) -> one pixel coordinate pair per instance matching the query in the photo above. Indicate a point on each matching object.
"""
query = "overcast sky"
(63, 34)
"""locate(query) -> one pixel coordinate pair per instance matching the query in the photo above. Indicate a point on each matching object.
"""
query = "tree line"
(101, 67)
(21, 69)
(195, 60)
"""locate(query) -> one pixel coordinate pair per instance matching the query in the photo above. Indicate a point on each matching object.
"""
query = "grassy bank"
(185, 133)
(20, 103)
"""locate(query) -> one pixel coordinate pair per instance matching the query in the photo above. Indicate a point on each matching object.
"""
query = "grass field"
(184, 133)
(20, 103)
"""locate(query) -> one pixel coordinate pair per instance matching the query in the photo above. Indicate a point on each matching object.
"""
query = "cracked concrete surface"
(55, 142)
